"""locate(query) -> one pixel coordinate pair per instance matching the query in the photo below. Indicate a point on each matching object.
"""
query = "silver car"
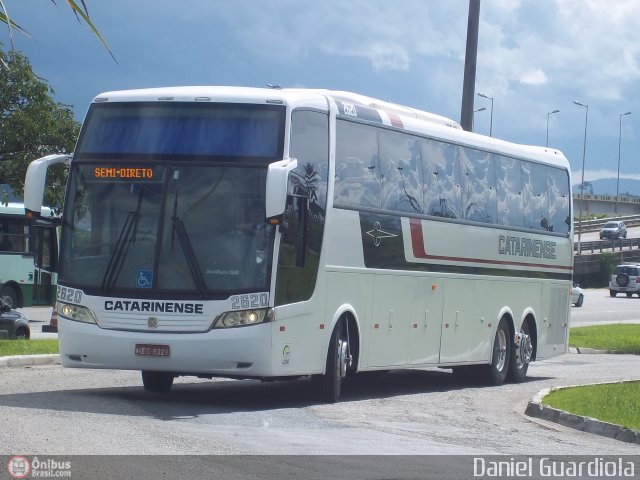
(613, 230)
(13, 324)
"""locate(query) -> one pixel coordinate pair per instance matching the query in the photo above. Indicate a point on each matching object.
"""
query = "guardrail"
(594, 225)
(599, 246)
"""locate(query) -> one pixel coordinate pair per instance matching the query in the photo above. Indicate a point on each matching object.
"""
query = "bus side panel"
(297, 338)
(553, 328)
(426, 321)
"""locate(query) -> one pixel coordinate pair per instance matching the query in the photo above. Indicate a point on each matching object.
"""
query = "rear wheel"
(158, 382)
(612, 293)
(496, 372)
(580, 300)
(629, 294)
(22, 334)
(521, 355)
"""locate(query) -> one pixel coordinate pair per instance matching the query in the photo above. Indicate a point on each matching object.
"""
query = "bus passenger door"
(45, 264)
(425, 327)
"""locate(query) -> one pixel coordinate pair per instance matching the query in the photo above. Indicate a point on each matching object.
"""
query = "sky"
(534, 57)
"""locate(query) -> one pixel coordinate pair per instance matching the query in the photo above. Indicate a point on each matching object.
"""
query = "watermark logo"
(19, 467)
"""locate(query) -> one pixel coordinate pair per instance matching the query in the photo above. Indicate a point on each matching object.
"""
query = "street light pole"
(491, 121)
(473, 120)
(619, 142)
(584, 154)
(548, 114)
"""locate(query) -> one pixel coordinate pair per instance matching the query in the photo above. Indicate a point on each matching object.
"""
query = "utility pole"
(468, 86)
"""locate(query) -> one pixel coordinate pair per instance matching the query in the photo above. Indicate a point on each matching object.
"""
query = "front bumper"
(243, 351)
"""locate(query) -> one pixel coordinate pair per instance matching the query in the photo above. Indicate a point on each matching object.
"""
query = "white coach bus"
(281, 233)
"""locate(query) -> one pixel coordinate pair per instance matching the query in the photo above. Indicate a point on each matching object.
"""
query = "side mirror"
(34, 182)
(276, 189)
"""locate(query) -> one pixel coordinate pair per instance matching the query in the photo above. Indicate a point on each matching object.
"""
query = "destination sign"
(124, 173)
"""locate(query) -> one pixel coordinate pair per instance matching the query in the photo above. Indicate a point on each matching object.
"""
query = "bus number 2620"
(251, 300)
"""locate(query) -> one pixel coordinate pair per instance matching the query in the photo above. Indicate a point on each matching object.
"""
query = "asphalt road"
(600, 308)
(55, 411)
(49, 410)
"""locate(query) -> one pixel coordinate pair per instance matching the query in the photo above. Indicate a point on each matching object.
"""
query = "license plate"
(147, 350)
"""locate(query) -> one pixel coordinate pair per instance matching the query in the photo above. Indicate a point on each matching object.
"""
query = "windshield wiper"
(119, 252)
(192, 260)
(126, 238)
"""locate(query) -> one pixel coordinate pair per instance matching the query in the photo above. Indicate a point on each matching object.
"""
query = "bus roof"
(13, 208)
(411, 119)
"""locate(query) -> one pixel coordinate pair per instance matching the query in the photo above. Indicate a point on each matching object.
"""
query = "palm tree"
(80, 11)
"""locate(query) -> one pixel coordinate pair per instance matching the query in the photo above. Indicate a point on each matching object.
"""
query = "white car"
(625, 279)
(577, 296)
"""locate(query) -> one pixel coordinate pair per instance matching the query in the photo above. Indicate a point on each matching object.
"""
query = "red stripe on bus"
(396, 121)
(417, 242)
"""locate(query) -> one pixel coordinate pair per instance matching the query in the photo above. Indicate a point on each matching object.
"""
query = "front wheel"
(496, 371)
(158, 382)
(330, 384)
(629, 294)
(9, 295)
(580, 300)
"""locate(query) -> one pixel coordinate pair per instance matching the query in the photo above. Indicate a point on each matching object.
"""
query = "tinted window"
(220, 130)
(400, 171)
(478, 186)
(509, 191)
(310, 145)
(358, 175)
(441, 168)
(381, 168)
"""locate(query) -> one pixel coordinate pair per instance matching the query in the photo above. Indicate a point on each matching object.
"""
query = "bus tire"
(520, 356)
(330, 384)
(157, 382)
(496, 372)
(9, 295)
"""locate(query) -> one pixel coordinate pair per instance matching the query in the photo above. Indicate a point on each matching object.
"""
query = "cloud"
(535, 77)
(388, 35)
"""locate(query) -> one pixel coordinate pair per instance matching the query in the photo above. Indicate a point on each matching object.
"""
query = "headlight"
(243, 318)
(76, 312)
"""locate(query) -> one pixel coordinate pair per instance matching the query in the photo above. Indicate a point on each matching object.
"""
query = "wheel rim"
(524, 350)
(501, 350)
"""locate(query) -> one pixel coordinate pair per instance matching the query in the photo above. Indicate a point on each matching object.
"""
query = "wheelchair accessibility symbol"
(144, 278)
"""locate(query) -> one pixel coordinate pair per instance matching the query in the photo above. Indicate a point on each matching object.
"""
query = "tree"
(32, 125)
(80, 12)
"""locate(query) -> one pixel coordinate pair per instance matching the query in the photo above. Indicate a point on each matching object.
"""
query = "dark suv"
(625, 279)
(613, 230)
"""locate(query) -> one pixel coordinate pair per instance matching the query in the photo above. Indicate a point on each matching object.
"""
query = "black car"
(13, 324)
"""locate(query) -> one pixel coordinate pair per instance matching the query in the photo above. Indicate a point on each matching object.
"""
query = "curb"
(590, 350)
(535, 408)
(29, 360)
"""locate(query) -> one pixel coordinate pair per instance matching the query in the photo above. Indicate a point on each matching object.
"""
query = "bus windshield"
(197, 231)
(159, 205)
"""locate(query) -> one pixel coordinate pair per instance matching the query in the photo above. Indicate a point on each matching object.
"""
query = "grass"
(27, 347)
(616, 403)
(621, 338)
